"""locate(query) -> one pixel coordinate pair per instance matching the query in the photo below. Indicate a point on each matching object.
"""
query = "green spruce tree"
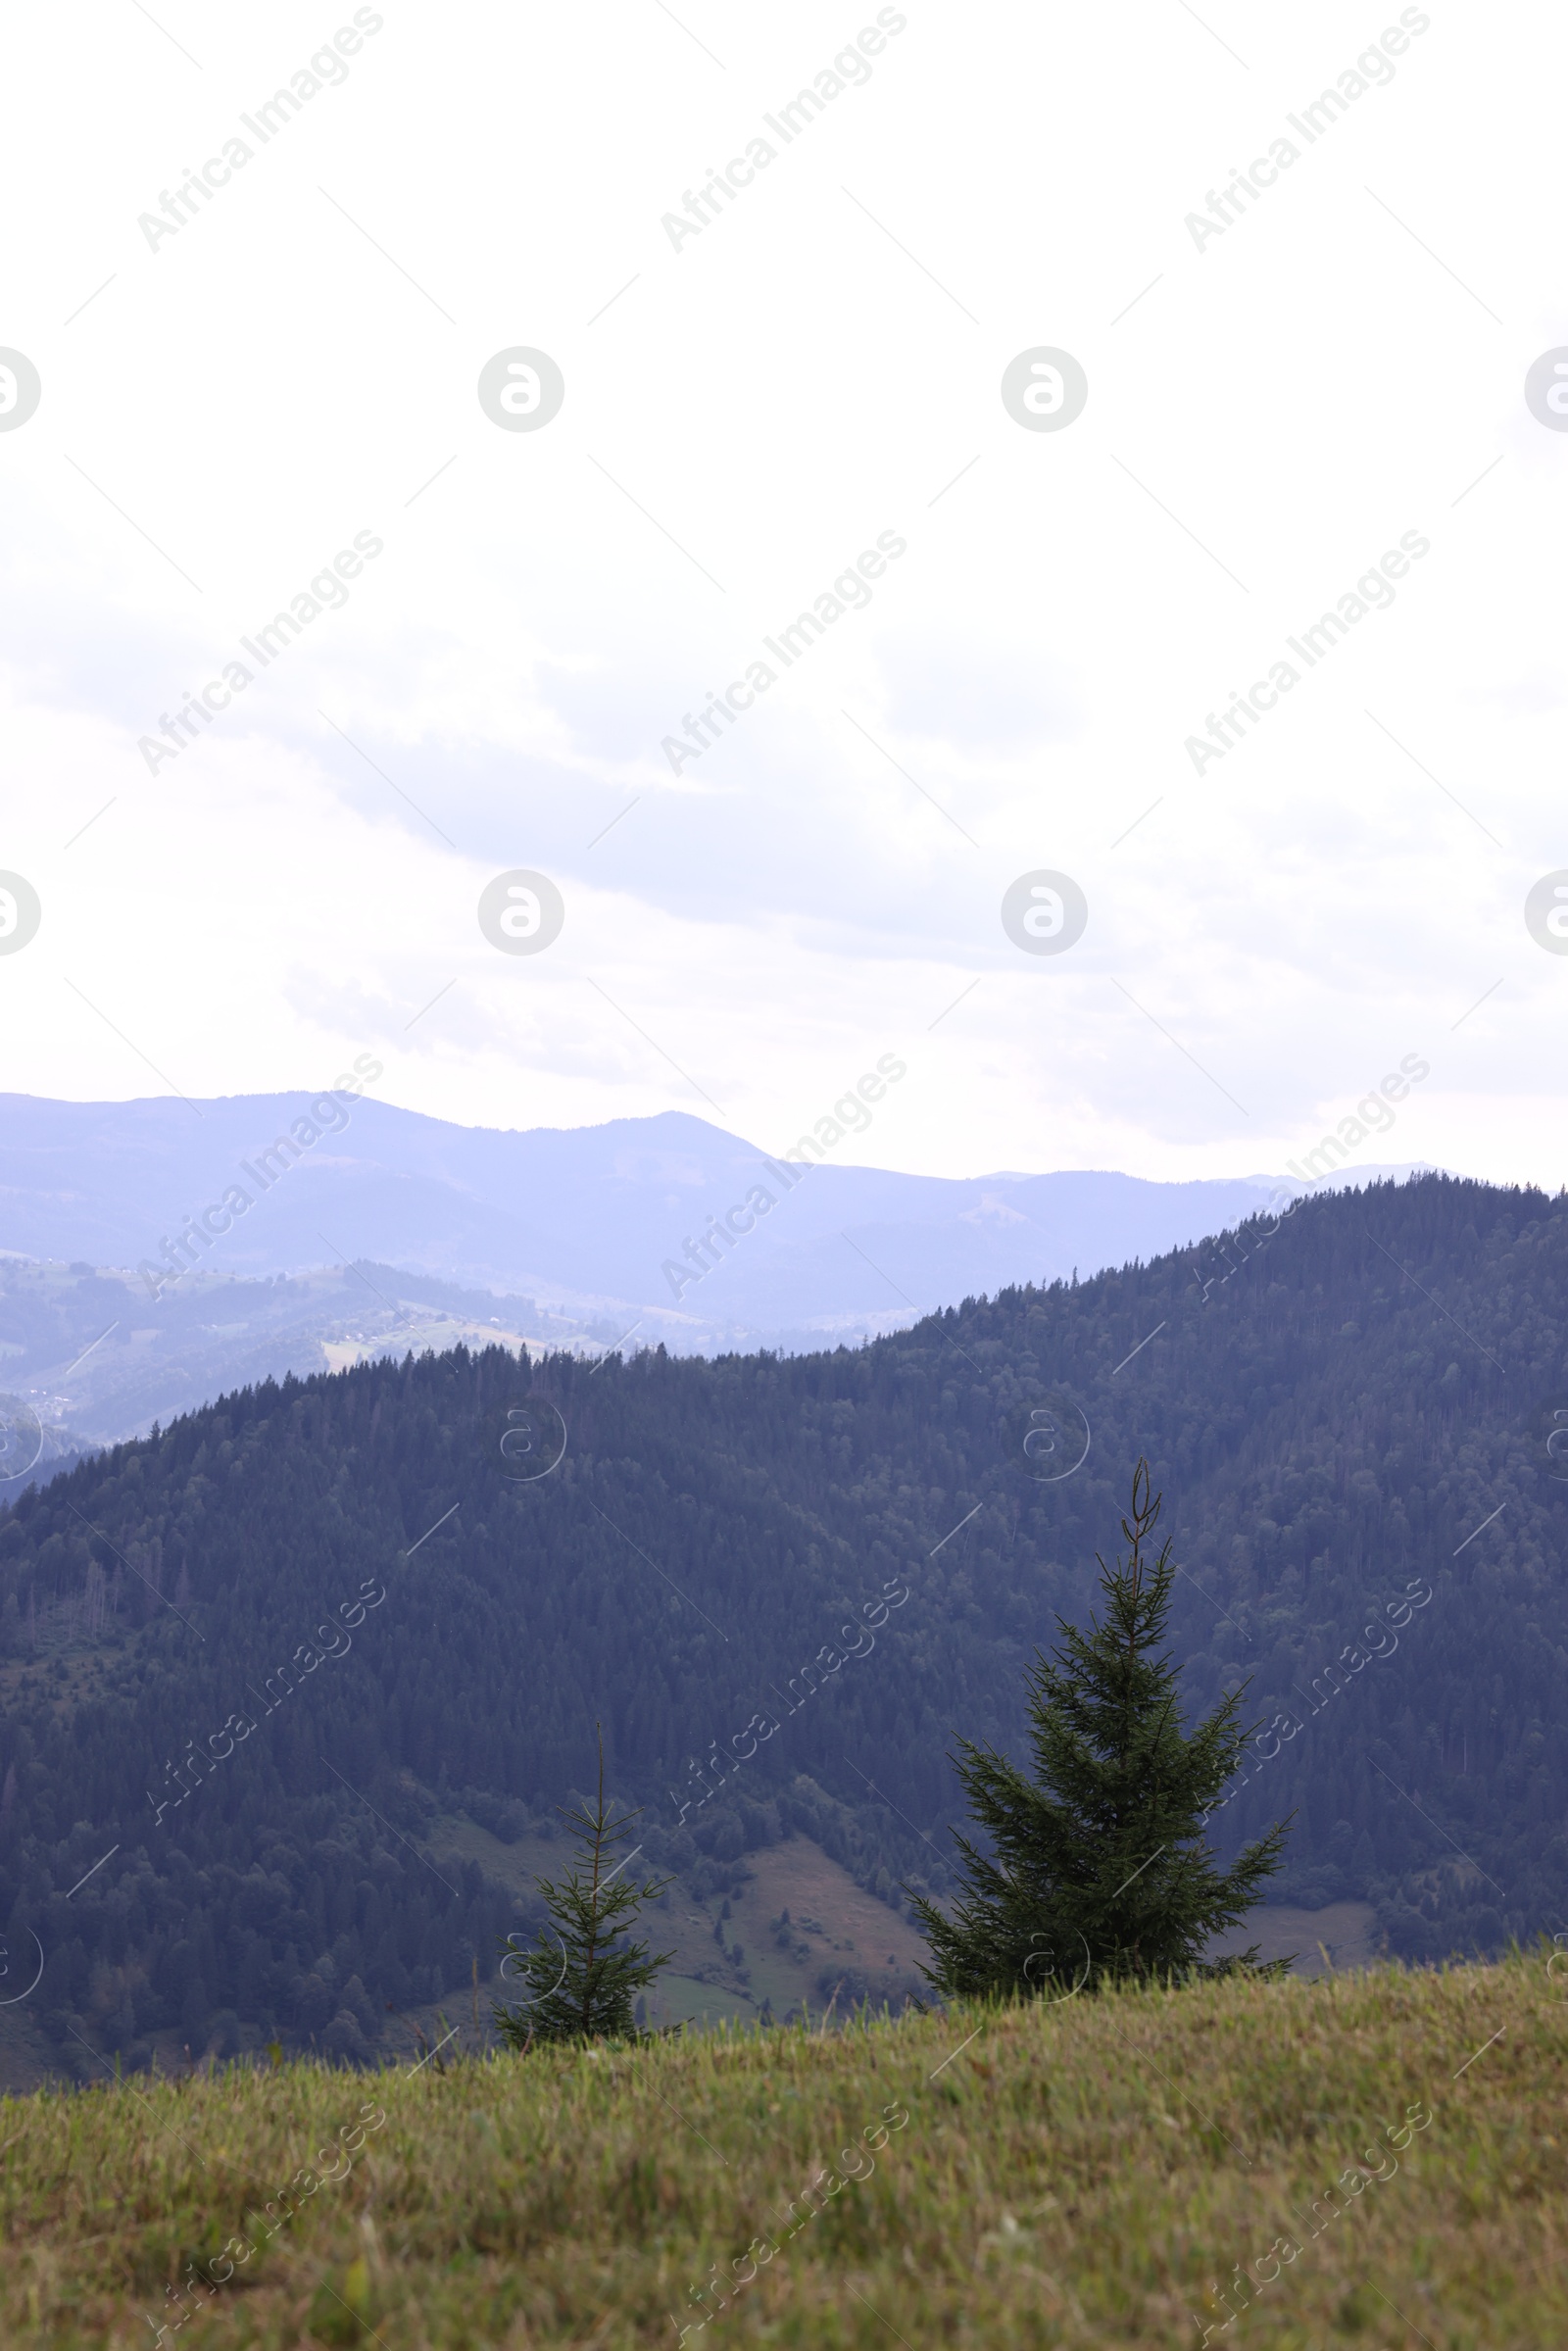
(584, 1972)
(1099, 1871)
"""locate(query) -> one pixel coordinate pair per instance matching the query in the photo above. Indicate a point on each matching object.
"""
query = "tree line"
(1349, 1411)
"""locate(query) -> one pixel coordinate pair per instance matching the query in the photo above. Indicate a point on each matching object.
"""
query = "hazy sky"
(1273, 406)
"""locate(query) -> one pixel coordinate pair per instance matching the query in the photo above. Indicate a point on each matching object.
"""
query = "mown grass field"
(1094, 2173)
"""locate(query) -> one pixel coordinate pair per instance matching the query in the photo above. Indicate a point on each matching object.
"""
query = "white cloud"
(744, 417)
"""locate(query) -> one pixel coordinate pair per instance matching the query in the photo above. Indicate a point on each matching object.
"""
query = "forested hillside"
(246, 1660)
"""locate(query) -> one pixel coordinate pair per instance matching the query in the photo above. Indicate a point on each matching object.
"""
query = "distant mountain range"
(87, 1357)
(664, 1228)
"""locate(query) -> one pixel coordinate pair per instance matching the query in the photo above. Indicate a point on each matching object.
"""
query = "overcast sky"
(1273, 406)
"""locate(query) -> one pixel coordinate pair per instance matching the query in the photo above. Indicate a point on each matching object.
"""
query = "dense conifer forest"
(247, 1660)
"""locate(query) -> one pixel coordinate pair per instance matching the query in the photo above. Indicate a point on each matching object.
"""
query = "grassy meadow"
(1376, 2158)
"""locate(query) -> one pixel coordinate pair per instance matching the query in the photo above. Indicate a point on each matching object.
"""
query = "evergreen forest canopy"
(247, 1660)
